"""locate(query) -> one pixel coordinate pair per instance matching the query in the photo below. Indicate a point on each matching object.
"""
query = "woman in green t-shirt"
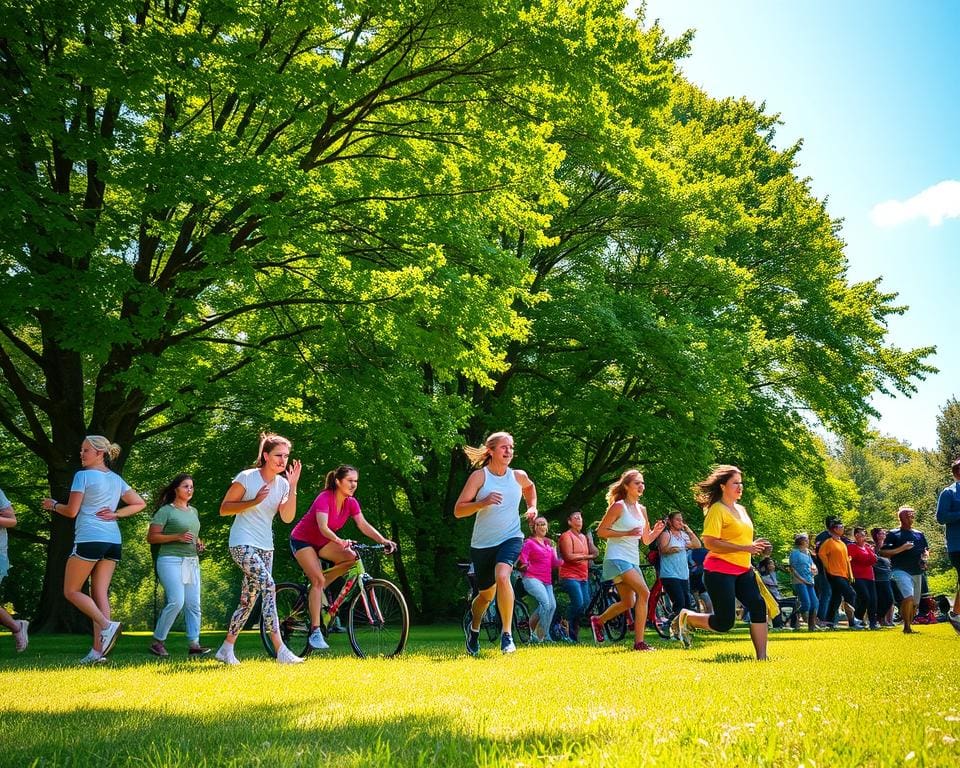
(176, 528)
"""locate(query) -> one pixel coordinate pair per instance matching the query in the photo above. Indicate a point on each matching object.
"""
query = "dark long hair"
(337, 474)
(168, 493)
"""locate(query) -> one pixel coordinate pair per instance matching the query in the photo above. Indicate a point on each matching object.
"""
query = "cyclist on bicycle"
(315, 537)
(492, 493)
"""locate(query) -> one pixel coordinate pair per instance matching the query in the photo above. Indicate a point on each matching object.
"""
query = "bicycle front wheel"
(378, 621)
(662, 616)
(293, 617)
(616, 627)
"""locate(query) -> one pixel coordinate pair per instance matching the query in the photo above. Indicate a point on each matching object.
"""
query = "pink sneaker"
(640, 645)
(597, 628)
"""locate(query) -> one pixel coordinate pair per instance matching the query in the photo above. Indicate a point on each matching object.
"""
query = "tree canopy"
(390, 228)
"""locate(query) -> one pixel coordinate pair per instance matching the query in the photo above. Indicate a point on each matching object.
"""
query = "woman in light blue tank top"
(492, 493)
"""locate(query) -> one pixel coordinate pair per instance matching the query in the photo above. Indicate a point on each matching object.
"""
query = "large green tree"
(192, 188)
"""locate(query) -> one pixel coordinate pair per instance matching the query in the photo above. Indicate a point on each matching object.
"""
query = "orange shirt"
(835, 558)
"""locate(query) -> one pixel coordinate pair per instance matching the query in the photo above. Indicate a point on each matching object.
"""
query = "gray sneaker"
(317, 640)
(506, 643)
(20, 637)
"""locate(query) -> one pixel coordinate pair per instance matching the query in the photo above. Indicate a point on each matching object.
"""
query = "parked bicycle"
(377, 619)
(490, 623)
(603, 594)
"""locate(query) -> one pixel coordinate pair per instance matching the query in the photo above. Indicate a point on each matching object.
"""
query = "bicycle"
(490, 623)
(378, 621)
(603, 595)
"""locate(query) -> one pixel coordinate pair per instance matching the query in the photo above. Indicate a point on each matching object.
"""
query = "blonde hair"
(709, 490)
(618, 490)
(109, 450)
(480, 457)
(269, 441)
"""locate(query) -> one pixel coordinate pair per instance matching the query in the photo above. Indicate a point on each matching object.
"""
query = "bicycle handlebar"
(357, 547)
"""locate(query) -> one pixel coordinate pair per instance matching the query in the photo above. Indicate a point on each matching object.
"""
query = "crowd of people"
(863, 575)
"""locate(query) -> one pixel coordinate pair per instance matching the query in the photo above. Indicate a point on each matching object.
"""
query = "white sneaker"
(21, 638)
(92, 658)
(317, 640)
(286, 656)
(108, 637)
(226, 655)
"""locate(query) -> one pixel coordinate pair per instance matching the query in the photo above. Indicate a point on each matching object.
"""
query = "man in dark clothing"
(907, 550)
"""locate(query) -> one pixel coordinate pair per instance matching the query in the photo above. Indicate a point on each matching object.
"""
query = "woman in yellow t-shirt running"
(727, 574)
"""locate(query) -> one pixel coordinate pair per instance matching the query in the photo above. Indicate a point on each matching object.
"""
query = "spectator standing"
(862, 560)
(881, 577)
(803, 572)
(577, 550)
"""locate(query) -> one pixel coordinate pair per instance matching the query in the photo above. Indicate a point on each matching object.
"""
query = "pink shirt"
(540, 559)
(307, 529)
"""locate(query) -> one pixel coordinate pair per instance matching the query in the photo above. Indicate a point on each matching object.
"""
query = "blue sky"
(873, 89)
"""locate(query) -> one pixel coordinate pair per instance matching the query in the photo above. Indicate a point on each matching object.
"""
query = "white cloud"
(936, 203)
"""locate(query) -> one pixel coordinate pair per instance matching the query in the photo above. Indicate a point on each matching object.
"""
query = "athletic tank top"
(625, 547)
(499, 522)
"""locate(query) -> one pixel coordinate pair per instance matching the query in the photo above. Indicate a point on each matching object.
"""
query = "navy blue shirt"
(909, 559)
(948, 514)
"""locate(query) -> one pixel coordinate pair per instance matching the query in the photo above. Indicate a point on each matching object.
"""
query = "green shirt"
(175, 520)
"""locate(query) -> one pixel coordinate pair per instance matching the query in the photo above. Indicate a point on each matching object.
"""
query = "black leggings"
(884, 598)
(724, 590)
(678, 590)
(866, 599)
(840, 589)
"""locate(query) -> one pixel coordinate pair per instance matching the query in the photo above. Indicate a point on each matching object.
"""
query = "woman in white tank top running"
(624, 526)
(492, 493)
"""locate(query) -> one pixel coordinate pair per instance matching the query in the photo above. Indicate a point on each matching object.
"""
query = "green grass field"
(844, 698)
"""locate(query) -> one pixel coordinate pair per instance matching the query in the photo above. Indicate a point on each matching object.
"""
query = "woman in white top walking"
(95, 496)
(254, 498)
(624, 526)
(492, 493)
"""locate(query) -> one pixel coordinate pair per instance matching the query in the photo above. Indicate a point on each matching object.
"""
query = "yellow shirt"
(835, 558)
(721, 523)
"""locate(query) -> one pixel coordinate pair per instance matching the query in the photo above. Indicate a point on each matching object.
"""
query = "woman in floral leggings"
(255, 496)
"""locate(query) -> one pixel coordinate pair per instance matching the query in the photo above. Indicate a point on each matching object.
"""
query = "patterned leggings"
(256, 565)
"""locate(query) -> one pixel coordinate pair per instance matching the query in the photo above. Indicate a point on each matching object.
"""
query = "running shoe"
(226, 655)
(108, 637)
(683, 631)
(317, 640)
(472, 640)
(198, 650)
(506, 643)
(20, 637)
(286, 656)
(640, 645)
(597, 627)
(92, 658)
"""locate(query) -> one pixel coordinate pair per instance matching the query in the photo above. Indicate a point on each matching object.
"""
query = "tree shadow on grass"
(258, 735)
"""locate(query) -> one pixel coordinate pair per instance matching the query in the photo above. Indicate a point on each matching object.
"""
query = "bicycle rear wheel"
(616, 628)
(662, 616)
(293, 617)
(378, 620)
(521, 622)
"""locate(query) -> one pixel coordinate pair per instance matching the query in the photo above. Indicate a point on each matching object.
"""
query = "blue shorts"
(910, 585)
(94, 551)
(613, 570)
(297, 544)
(485, 560)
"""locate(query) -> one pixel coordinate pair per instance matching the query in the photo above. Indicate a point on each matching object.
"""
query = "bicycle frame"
(356, 573)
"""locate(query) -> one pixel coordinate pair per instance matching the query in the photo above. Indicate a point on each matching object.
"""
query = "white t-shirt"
(254, 526)
(100, 489)
(4, 559)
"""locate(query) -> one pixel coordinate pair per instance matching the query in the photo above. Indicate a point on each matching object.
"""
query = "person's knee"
(722, 622)
(316, 581)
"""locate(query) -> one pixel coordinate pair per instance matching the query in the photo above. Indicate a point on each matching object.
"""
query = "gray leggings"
(256, 565)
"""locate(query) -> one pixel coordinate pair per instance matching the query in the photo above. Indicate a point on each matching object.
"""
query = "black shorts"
(485, 561)
(94, 551)
(297, 544)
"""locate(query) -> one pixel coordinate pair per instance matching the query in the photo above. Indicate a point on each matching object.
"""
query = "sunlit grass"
(867, 698)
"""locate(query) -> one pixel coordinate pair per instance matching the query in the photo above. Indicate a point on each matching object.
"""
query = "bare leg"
(99, 591)
(758, 634)
(310, 563)
(74, 577)
(908, 609)
(479, 606)
(505, 596)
